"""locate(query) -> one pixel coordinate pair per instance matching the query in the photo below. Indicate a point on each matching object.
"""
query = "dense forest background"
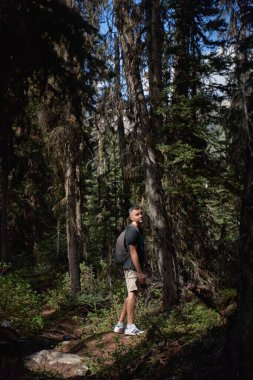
(106, 104)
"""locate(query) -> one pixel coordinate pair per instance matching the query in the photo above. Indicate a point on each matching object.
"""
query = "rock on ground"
(67, 365)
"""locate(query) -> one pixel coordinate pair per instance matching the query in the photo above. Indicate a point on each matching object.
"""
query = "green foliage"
(59, 296)
(202, 192)
(190, 320)
(183, 325)
(225, 298)
(94, 293)
(20, 304)
(103, 296)
(102, 319)
(103, 198)
(53, 66)
(30, 202)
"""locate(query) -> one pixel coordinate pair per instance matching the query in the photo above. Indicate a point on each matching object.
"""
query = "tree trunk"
(240, 342)
(126, 16)
(71, 229)
(5, 253)
(65, 140)
(121, 131)
(79, 212)
(58, 239)
(240, 338)
(245, 307)
(154, 51)
(72, 177)
(182, 56)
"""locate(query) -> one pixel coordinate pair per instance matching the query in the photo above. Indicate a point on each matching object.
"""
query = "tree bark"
(5, 253)
(71, 229)
(154, 51)
(65, 140)
(121, 131)
(127, 18)
(58, 238)
(240, 337)
(184, 19)
(71, 155)
(245, 308)
(79, 212)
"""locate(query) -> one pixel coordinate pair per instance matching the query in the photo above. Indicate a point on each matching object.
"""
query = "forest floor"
(115, 356)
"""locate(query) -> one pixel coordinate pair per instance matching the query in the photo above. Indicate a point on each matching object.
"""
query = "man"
(133, 271)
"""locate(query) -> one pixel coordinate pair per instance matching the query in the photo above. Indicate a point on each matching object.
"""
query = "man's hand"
(142, 278)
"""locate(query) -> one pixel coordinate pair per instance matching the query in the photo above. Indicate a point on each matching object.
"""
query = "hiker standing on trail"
(133, 271)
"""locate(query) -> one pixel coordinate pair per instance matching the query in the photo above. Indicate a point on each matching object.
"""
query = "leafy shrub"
(20, 304)
(60, 294)
(190, 320)
(225, 297)
(94, 290)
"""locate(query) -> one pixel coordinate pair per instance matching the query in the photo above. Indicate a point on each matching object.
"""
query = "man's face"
(136, 216)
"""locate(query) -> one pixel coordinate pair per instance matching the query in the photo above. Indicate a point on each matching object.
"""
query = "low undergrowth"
(20, 305)
(167, 335)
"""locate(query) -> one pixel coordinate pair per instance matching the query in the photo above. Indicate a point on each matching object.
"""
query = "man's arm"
(136, 262)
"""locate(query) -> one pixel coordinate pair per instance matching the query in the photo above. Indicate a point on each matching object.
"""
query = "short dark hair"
(132, 208)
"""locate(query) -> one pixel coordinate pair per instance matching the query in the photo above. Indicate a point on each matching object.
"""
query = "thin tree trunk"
(182, 35)
(130, 43)
(73, 197)
(121, 130)
(64, 139)
(73, 256)
(58, 231)
(79, 211)
(5, 253)
(154, 51)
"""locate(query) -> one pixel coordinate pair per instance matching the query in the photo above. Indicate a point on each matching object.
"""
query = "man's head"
(135, 215)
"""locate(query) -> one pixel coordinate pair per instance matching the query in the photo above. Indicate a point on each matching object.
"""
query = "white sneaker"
(133, 330)
(119, 329)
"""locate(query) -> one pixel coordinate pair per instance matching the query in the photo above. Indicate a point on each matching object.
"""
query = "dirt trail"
(98, 349)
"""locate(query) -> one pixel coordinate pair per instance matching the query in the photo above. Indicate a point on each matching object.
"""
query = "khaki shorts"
(132, 281)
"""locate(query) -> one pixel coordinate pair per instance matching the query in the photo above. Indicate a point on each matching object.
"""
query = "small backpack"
(121, 253)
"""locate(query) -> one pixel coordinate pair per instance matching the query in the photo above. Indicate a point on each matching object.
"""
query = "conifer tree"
(240, 342)
(193, 102)
(129, 25)
(48, 67)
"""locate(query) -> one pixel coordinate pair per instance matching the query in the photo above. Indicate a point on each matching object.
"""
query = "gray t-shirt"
(134, 237)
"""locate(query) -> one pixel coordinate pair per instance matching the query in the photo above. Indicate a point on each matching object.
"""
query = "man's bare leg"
(123, 312)
(129, 307)
(131, 301)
